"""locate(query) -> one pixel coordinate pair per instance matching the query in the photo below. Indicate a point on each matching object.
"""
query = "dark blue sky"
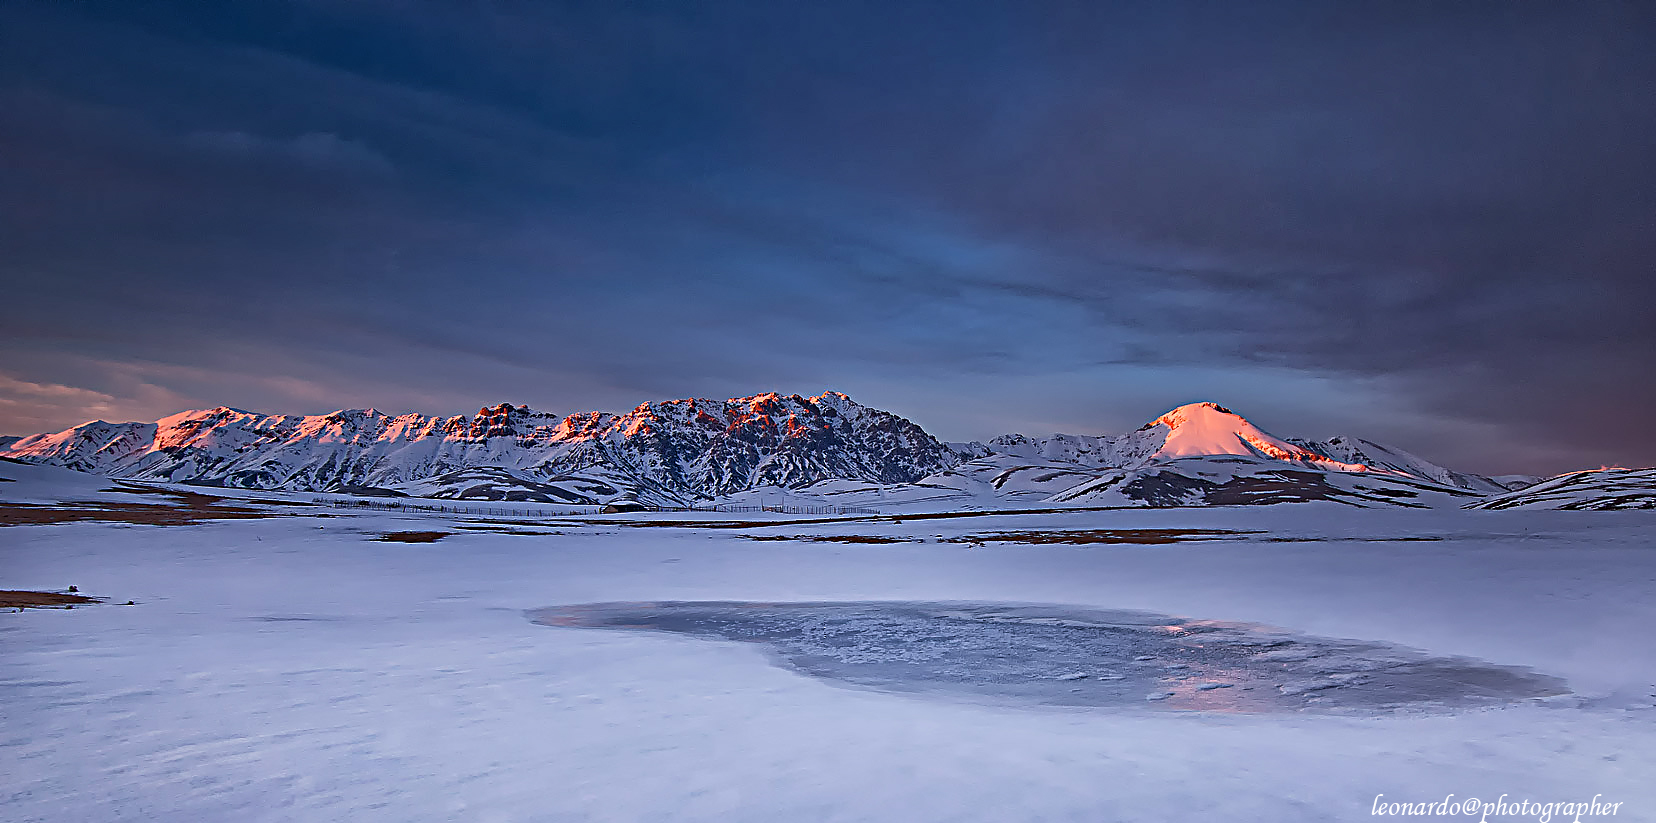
(1423, 223)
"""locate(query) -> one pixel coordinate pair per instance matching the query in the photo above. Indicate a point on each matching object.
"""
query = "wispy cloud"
(29, 407)
(322, 151)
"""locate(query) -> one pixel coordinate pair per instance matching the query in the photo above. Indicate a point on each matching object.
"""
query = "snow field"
(293, 668)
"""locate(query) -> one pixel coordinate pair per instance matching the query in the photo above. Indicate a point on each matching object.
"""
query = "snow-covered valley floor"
(296, 668)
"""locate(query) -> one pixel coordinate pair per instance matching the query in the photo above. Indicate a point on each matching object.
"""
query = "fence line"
(734, 509)
(492, 511)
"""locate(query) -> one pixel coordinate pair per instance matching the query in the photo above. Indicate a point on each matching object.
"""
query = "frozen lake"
(1067, 656)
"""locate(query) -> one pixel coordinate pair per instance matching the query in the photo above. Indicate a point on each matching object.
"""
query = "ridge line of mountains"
(827, 449)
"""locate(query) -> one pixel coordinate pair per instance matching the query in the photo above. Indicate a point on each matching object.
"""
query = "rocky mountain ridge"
(671, 452)
(679, 452)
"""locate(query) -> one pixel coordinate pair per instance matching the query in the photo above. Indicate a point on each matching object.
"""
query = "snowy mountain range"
(1597, 490)
(1195, 455)
(678, 452)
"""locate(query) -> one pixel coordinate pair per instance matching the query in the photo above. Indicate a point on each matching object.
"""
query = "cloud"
(1410, 223)
(15, 389)
(322, 151)
(1443, 203)
(32, 407)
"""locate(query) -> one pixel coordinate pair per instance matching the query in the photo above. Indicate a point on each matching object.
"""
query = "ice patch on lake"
(1069, 656)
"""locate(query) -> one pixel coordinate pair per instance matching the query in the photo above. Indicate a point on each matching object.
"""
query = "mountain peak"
(1206, 428)
(1189, 412)
(216, 414)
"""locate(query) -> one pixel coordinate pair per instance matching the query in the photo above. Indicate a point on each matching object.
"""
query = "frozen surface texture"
(1053, 655)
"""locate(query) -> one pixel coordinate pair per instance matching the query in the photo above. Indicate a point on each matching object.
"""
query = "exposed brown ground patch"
(1091, 536)
(1075, 537)
(1318, 539)
(831, 538)
(180, 508)
(191, 508)
(42, 600)
(412, 537)
(508, 530)
(817, 521)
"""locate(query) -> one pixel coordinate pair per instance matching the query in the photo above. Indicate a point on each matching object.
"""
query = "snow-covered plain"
(295, 668)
